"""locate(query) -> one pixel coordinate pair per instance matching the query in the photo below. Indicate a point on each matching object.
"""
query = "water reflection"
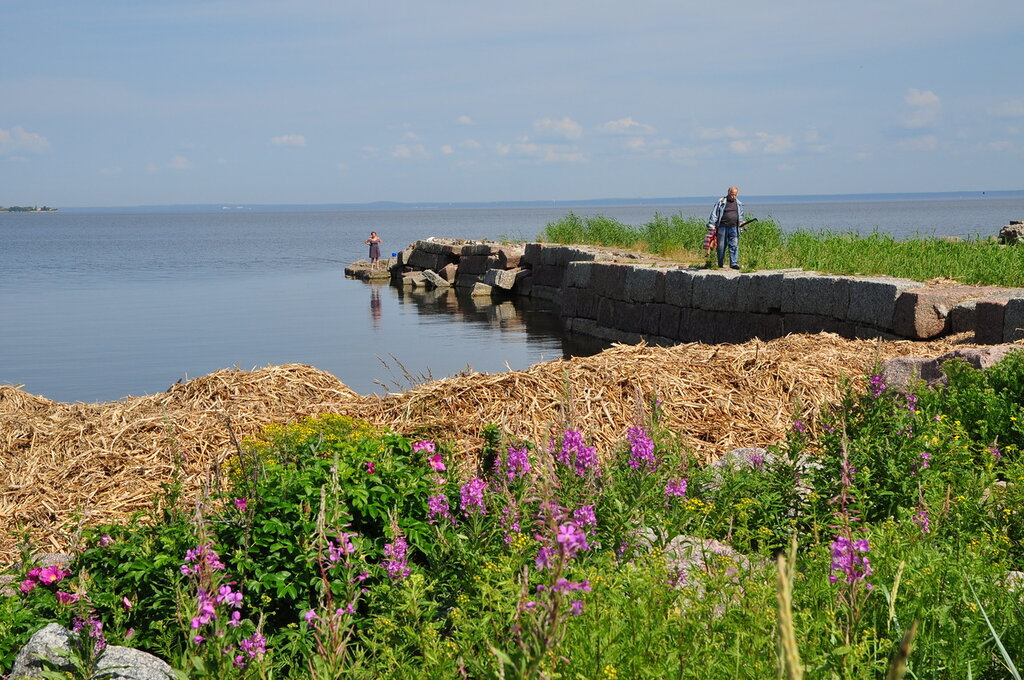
(532, 320)
(375, 308)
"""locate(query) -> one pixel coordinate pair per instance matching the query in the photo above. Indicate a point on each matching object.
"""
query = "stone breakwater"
(628, 297)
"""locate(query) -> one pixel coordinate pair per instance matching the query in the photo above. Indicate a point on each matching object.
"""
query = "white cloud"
(406, 151)
(470, 144)
(922, 143)
(447, 149)
(774, 144)
(563, 127)
(924, 105)
(17, 139)
(544, 153)
(626, 126)
(112, 170)
(179, 163)
(289, 140)
(465, 120)
(741, 146)
(728, 132)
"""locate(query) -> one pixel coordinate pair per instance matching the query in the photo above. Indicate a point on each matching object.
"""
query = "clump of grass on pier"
(763, 245)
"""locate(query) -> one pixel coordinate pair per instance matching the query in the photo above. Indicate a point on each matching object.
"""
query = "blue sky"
(148, 102)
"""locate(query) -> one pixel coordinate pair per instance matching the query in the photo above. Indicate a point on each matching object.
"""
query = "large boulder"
(54, 642)
(1012, 233)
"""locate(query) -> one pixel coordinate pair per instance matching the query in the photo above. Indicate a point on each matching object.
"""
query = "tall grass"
(763, 245)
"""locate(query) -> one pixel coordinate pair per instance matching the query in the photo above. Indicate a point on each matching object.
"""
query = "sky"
(161, 102)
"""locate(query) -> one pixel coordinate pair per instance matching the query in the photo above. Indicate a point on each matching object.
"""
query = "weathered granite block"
(668, 321)
(413, 279)
(922, 313)
(645, 284)
(524, 285)
(759, 292)
(510, 257)
(448, 250)
(434, 279)
(587, 303)
(815, 323)
(715, 290)
(990, 320)
(501, 278)
(1013, 320)
(532, 254)
(577, 274)
(481, 290)
(609, 280)
(873, 300)
(650, 317)
(544, 275)
(422, 259)
(679, 287)
(449, 272)
(568, 302)
(809, 293)
(472, 249)
(466, 280)
(962, 317)
(478, 264)
(619, 314)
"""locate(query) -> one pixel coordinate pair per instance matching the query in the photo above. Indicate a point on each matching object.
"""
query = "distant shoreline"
(563, 203)
(31, 209)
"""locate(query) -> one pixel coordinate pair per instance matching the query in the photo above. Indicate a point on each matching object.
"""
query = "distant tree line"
(27, 208)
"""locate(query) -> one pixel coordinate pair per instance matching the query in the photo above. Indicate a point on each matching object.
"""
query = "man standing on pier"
(725, 220)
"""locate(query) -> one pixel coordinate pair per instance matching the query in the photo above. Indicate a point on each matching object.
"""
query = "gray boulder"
(1012, 233)
(53, 643)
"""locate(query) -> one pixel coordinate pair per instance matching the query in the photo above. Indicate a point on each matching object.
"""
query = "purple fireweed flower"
(925, 460)
(201, 556)
(94, 628)
(395, 562)
(424, 445)
(922, 520)
(757, 460)
(676, 488)
(585, 517)
(66, 598)
(799, 427)
(911, 403)
(370, 467)
(876, 385)
(471, 497)
(126, 604)
(438, 508)
(571, 539)
(576, 607)
(336, 551)
(236, 618)
(510, 516)
(255, 646)
(518, 464)
(105, 540)
(241, 504)
(198, 639)
(544, 555)
(436, 462)
(995, 452)
(849, 560)
(641, 449)
(225, 595)
(575, 454)
(310, 616)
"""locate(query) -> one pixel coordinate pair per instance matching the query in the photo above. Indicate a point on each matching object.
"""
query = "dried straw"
(66, 464)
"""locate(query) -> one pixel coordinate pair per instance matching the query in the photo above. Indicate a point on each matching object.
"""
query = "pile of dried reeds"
(61, 464)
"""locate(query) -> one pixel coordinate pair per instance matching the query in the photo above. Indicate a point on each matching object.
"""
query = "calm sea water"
(97, 305)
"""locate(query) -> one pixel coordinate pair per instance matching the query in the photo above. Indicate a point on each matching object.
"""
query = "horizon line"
(612, 201)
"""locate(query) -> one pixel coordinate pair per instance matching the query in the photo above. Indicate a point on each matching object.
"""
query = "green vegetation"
(23, 208)
(763, 245)
(337, 550)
